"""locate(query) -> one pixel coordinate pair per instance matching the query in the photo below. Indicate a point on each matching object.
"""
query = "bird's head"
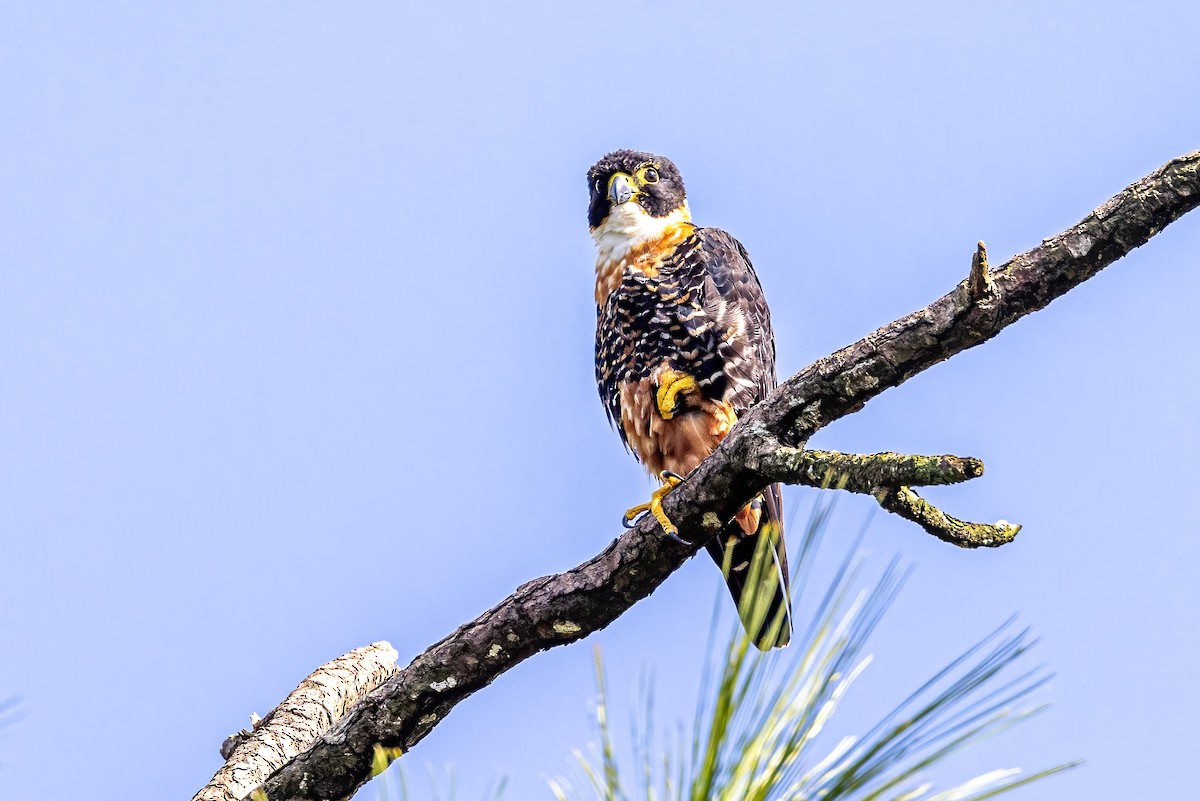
(633, 190)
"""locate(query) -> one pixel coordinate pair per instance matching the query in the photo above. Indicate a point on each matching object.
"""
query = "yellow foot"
(670, 481)
(671, 385)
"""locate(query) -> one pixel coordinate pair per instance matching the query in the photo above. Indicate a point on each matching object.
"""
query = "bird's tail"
(756, 571)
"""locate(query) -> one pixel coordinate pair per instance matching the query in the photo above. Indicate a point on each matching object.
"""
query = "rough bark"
(310, 709)
(563, 608)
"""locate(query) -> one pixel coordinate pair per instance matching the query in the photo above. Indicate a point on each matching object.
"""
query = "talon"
(671, 386)
(670, 481)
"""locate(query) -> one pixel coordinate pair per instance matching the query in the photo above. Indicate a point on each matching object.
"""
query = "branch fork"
(889, 478)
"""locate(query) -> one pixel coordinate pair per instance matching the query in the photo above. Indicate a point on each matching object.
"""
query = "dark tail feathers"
(756, 571)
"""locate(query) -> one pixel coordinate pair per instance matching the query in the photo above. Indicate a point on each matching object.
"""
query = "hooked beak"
(620, 189)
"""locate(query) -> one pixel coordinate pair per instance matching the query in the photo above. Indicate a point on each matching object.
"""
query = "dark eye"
(596, 186)
(651, 176)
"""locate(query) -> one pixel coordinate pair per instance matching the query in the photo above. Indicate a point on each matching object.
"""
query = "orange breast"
(678, 444)
(645, 258)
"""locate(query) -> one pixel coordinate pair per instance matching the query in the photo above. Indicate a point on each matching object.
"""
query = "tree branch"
(842, 382)
(865, 474)
(292, 726)
(889, 477)
(911, 506)
(560, 609)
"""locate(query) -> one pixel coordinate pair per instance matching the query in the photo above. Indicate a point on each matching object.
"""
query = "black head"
(653, 182)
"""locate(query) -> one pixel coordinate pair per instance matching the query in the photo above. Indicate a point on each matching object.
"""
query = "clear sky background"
(296, 329)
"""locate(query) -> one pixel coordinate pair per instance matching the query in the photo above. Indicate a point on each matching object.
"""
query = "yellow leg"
(671, 385)
(670, 481)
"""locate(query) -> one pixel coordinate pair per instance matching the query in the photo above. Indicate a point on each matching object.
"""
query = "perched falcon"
(683, 348)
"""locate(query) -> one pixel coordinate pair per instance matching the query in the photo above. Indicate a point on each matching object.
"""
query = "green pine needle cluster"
(757, 727)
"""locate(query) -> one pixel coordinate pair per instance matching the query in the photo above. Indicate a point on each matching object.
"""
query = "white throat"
(628, 226)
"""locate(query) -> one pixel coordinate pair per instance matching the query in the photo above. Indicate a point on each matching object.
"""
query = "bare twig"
(563, 608)
(979, 282)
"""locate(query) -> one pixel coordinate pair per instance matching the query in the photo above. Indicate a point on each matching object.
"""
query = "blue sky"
(296, 328)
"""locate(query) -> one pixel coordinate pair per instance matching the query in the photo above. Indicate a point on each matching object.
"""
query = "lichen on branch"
(889, 477)
(904, 502)
(867, 473)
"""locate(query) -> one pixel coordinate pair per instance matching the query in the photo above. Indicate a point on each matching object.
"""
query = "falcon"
(683, 349)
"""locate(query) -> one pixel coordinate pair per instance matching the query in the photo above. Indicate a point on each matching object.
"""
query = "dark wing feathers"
(734, 301)
(704, 312)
